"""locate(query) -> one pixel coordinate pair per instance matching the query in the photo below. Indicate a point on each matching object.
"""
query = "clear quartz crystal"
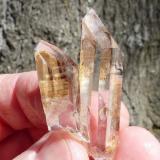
(84, 99)
(58, 81)
(100, 71)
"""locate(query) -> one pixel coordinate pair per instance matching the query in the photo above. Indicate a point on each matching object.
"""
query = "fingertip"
(61, 146)
(124, 117)
(124, 110)
(28, 95)
(27, 83)
(55, 145)
(10, 111)
(137, 143)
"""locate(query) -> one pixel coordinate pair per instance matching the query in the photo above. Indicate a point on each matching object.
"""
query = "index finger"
(20, 104)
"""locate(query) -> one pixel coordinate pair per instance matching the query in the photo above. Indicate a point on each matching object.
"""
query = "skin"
(23, 128)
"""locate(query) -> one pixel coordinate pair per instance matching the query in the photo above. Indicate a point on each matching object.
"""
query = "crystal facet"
(84, 99)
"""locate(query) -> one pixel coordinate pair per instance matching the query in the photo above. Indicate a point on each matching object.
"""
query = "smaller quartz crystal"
(58, 81)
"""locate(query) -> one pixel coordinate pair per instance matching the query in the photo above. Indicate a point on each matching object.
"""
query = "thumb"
(55, 145)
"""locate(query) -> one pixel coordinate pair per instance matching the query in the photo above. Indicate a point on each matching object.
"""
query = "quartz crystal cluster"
(84, 99)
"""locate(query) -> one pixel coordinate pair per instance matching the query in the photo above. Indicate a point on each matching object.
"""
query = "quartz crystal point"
(58, 82)
(100, 72)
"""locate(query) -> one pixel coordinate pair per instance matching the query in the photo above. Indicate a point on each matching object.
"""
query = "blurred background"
(135, 25)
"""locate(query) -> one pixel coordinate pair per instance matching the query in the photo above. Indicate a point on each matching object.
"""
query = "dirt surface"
(134, 25)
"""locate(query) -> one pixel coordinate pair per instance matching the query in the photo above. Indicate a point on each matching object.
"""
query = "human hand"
(22, 123)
